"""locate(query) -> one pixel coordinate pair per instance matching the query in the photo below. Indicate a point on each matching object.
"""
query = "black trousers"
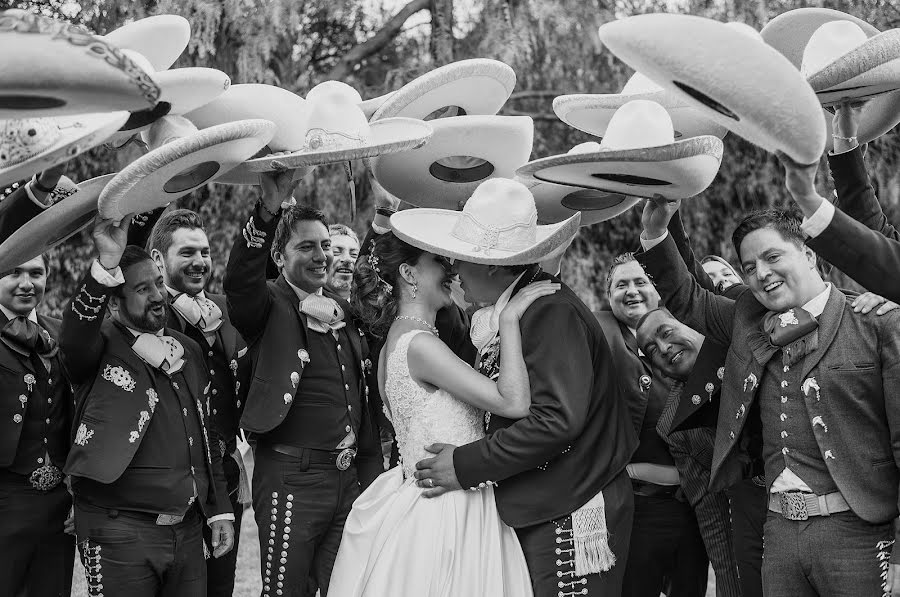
(36, 556)
(220, 571)
(667, 553)
(748, 515)
(553, 569)
(128, 554)
(300, 509)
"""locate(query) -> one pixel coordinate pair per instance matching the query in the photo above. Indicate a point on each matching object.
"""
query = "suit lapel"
(294, 300)
(703, 382)
(10, 358)
(829, 322)
(227, 333)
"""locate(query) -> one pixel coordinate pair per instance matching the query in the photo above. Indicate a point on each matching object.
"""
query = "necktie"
(25, 337)
(199, 311)
(323, 314)
(160, 352)
(794, 332)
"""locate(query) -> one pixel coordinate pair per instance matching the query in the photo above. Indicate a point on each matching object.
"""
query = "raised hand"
(845, 125)
(277, 187)
(800, 181)
(658, 211)
(519, 303)
(110, 240)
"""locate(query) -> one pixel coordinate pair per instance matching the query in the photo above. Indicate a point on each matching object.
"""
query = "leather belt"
(798, 505)
(647, 489)
(340, 459)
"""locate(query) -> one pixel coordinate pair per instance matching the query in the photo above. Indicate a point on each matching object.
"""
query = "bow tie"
(323, 314)
(25, 337)
(794, 332)
(160, 352)
(199, 311)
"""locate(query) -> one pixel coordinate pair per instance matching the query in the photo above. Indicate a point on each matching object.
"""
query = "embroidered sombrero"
(463, 152)
(637, 157)
(29, 145)
(591, 112)
(181, 160)
(737, 80)
(497, 226)
(790, 33)
(54, 225)
(476, 87)
(161, 38)
(557, 202)
(52, 68)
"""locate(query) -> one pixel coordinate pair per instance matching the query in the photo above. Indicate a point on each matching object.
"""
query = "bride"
(395, 541)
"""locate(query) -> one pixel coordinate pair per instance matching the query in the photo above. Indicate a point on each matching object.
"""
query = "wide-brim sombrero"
(557, 202)
(479, 86)
(790, 32)
(52, 68)
(161, 38)
(432, 230)
(463, 152)
(591, 113)
(676, 171)
(866, 71)
(730, 78)
(53, 225)
(388, 136)
(371, 105)
(31, 145)
(182, 166)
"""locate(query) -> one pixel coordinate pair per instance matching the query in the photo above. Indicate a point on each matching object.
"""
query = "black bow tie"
(25, 337)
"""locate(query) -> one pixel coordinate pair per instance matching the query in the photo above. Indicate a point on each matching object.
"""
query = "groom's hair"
(518, 269)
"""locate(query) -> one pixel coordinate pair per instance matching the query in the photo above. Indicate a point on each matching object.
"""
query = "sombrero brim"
(241, 175)
(591, 112)
(432, 230)
(730, 78)
(254, 100)
(676, 171)
(52, 68)
(391, 135)
(556, 202)
(479, 86)
(54, 225)
(161, 39)
(370, 106)
(182, 166)
(868, 70)
(419, 178)
(77, 135)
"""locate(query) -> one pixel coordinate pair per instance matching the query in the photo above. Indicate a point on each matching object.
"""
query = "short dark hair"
(132, 255)
(786, 223)
(161, 235)
(289, 218)
(620, 259)
(647, 314)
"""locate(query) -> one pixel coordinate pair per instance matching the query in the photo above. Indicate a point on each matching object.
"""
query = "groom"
(559, 472)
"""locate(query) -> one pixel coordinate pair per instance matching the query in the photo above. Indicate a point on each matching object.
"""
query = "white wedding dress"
(398, 543)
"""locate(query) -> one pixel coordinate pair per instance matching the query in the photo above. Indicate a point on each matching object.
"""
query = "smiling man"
(666, 545)
(818, 379)
(344, 251)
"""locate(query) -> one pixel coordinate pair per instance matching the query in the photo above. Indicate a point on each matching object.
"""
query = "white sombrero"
(637, 157)
(476, 87)
(54, 225)
(497, 226)
(736, 80)
(558, 202)
(181, 160)
(52, 68)
(591, 112)
(161, 38)
(337, 131)
(463, 152)
(790, 33)
(29, 145)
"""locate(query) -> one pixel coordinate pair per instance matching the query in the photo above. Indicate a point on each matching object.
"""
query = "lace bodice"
(421, 417)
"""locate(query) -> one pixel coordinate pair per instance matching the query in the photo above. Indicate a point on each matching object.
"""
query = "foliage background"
(378, 45)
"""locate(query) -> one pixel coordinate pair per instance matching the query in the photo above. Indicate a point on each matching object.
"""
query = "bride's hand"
(519, 303)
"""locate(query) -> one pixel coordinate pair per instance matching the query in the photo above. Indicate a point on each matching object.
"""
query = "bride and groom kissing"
(512, 475)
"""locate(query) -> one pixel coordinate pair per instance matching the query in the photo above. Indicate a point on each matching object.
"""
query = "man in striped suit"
(687, 424)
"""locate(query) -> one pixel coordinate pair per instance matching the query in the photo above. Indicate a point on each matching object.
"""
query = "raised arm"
(679, 235)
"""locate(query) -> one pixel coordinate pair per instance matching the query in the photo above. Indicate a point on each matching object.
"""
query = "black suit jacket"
(578, 435)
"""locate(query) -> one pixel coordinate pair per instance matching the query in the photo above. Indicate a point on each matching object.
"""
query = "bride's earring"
(415, 289)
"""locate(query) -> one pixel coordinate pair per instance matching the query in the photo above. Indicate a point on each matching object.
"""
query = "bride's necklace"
(430, 327)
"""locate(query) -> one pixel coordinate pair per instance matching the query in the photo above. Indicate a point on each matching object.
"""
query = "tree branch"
(378, 41)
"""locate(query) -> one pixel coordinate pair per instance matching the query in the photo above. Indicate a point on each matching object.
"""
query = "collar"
(136, 333)
(634, 335)
(10, 315)
(301, 294)
(816, 306)
(173, 293)
(503, 300)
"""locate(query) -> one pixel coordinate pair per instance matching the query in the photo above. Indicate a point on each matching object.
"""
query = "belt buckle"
(793, 506)
(46, 477)
(168, 520)
(345, 459)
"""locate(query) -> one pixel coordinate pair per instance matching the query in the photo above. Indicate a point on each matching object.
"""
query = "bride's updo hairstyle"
(375, 295)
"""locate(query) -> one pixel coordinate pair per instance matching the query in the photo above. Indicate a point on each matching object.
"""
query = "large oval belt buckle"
(345, 458)
(46, 478)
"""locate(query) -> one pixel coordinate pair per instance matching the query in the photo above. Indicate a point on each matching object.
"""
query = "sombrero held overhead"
(637, 157)
(161, 38)
(557, 202)
(730, 78)
(463, 152)
(497, 226)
